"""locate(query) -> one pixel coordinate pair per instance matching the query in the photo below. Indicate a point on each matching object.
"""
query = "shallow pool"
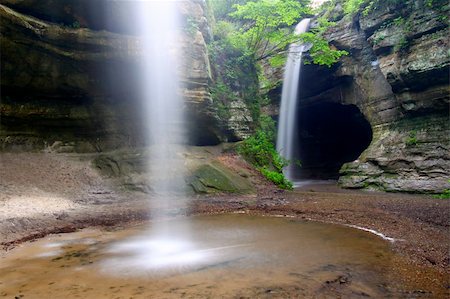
(209, 257)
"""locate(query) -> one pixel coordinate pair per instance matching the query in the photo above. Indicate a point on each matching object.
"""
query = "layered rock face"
(397, 74)
(69, 75)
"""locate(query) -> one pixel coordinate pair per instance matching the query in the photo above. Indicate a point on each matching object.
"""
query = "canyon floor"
(44, 194)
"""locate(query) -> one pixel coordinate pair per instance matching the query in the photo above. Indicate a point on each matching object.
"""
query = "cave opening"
(329, 135)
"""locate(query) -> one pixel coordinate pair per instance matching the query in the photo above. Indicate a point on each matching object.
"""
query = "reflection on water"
(226, 256)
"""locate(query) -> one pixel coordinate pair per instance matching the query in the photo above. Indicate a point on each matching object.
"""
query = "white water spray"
(287, 128)
(160, 86)
(159, 30)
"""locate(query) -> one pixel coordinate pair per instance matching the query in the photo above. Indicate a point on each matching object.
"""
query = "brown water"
(228, 256)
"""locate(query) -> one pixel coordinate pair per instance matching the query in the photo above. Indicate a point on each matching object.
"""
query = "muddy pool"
(221, 256)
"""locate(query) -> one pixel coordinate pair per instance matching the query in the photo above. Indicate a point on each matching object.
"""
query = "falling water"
(159, 29)
(162, 103)
(286, 141)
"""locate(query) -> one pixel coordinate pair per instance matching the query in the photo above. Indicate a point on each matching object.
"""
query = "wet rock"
(215, 177)
(397, 75)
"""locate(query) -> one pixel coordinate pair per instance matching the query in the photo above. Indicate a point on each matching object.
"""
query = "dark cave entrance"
(329, 135)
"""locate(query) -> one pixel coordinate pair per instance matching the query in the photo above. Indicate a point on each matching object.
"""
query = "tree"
(222, 8)
(266, 31)
(320, 52)
(266, 26)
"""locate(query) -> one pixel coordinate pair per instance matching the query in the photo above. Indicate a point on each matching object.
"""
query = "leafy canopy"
(321, 53)
(266, 31)
(265, 25)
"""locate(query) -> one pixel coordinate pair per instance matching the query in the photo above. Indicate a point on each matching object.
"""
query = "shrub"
(278, 178)
(412, 138)
(352, 6)
(260, 151)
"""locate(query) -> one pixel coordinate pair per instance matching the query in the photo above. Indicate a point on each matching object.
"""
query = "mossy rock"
(215, 177)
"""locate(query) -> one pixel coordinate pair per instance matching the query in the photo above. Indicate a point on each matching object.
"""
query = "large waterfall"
(287, 125)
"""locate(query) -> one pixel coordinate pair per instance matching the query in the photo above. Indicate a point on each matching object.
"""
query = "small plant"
(75, 25)
(260, 151)
(402, 44)
(191, 26)
(444, 195)
(399, 21)
(352, 6)
(412, 138)
(278, 178)
(378, 39)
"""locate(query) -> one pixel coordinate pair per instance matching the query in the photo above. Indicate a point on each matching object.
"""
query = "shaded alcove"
(329, 135)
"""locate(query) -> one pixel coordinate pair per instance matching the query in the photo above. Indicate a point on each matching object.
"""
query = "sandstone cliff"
(397, 75)
(69, 75)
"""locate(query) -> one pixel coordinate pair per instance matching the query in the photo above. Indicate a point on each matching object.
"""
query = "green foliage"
(352, 6)
(221, 94)
(402, 44)
(399, 21)
(223, 29)
(412, 138)
(260, 151)
(268, 126)
(222, 8)
(265, 26)
(235, 75)
(191, 26)
(277, 61)
(379, 38)
(321, 53)
(76, 25)
(266, 32)
(277, 178)
(445, 194)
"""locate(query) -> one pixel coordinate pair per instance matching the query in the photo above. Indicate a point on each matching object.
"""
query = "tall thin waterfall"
(287, 128)
(162, 104)
(160, 91)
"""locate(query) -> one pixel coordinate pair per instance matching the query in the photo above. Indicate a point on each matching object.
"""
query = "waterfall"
(160, 93)
(159, 30)
(287, 125)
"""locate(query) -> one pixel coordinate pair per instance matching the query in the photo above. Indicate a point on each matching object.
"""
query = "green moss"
(412, 138)
(215, 177)
(445, 194)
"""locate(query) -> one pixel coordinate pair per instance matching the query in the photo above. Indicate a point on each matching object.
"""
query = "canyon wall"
(397, 75)
(69, 75)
